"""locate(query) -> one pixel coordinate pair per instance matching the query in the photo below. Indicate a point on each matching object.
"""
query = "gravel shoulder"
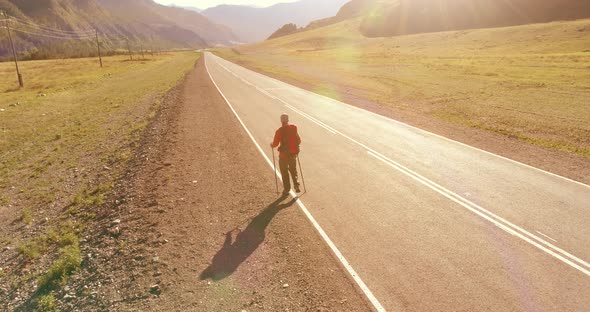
(199, 226)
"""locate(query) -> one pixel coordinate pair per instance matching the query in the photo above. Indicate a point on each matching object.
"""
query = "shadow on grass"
(232, 254)
(13, 89)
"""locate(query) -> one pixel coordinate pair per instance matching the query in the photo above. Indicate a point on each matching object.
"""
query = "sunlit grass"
(527, 82)
(57, 135)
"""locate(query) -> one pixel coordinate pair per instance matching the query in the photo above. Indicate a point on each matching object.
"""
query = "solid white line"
(547, 236)
(503, 224)
(499, 222)
(418, 129)
(366, 291)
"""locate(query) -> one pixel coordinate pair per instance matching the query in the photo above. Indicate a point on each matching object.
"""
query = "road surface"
(429, 224)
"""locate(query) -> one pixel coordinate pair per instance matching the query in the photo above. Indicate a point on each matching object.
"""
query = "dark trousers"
(288, 165)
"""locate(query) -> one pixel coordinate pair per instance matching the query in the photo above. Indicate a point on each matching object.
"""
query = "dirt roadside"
(197, 225)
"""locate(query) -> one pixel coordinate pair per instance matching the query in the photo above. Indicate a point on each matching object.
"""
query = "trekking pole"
(275, 170)
(301, 171)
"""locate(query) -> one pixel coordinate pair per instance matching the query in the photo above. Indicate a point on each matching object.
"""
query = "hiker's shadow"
(231, 255)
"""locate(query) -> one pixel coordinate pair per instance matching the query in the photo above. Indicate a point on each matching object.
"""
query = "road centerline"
(507, 226)
(317, 122)
(503, 224)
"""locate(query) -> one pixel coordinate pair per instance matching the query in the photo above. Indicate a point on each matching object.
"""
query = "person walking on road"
(289, 141)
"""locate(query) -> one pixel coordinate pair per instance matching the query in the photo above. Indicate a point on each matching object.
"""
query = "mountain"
(253, 24)
(287, 29)
(155, 15)
(117, 21)
(384, 18)
(352, 9)
(190, 8)
(194, 9)
(400, 17)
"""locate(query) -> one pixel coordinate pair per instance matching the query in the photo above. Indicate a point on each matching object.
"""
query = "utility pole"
(141, 49)
(153, 46)
(20, 77)
(129, 49)
(98, 47)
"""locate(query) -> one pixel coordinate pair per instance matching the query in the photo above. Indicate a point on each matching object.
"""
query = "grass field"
(527, 82)
(61, 139)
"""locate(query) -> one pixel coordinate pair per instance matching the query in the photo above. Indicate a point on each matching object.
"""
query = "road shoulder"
(206, 230)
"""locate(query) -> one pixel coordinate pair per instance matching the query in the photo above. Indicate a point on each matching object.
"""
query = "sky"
(204, 4)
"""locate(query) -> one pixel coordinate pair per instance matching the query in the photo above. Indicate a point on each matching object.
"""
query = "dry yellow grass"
(529, 82)
(70, 131)
(73, 104)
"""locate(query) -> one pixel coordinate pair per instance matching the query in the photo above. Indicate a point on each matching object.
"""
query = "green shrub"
(68, 263)
(68, 239)
(31, 249)
(47, 304)
(27, 215)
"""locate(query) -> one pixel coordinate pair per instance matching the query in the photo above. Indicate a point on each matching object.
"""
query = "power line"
(45, 31)
(56, 33)
(51, 33)
(52, 36)
(81, 37)
(20, 77)
(50, 29)
(31, 28)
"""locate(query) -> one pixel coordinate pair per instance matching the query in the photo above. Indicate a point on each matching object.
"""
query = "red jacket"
(292, 140)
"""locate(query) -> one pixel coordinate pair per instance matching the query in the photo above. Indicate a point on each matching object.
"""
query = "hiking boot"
(297, 188)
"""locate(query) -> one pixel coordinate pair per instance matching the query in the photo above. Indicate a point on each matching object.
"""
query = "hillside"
(155, 15)
(352, 9)
(253, 24)
(117, 21)
(287, 29)
(525, 87)
(383, 18)
(188, 8)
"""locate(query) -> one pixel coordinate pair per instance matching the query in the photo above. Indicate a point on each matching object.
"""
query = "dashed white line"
(278, 82)
(317, 122)
(503, 224)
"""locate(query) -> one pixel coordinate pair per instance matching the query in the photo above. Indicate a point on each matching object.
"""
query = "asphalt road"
(429, 224)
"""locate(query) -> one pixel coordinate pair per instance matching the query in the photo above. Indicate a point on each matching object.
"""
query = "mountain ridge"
(116, 21)
(253, 24)
(386, 18)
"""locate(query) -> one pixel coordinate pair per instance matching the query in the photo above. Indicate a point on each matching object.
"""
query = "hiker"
(289, 139)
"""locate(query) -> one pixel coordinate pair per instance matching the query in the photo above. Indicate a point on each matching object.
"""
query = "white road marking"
(317, 122)
(366, 291)
(503, 224)
(547, 236)
(423, 131)
(496, 220)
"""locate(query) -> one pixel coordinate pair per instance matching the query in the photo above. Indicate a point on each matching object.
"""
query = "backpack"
(285, 148)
